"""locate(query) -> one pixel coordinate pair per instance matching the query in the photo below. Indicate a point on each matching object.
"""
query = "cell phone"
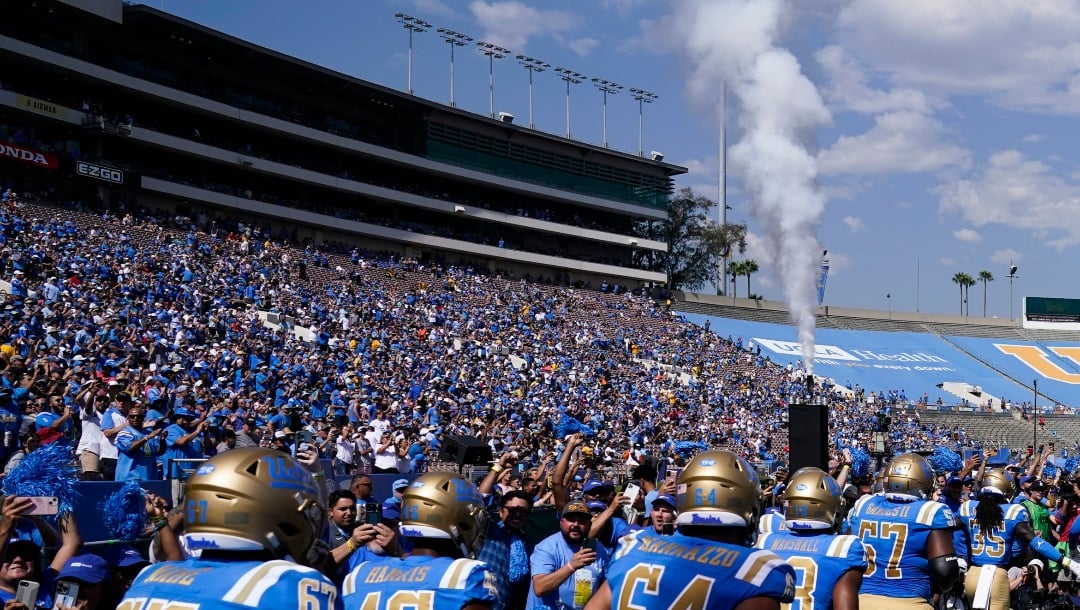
(305, 436)
(667, 529)
(27, 593)
(67, 593)
(632, 491)
(589, 543)
(44, 505)
(372, 513)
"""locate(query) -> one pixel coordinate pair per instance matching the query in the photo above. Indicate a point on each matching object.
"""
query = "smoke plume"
(735, 42)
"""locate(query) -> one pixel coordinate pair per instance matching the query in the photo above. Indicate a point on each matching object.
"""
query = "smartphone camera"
(372, 513)
(667, 529)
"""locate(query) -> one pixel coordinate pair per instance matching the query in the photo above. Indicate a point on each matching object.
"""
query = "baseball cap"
(182, 412)
(88, 568)
(954, 481)
(400, 484)
(1038, 485)
(124, 556)
(26, 549)
(665, 498)
(1024, 479)
(593, 485)
(576, 508)
(594, 505)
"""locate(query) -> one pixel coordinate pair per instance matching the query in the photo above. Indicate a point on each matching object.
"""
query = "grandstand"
(998, 358)
(127, 103)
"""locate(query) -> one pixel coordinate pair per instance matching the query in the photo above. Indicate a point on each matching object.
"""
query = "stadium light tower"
(643, 97)
(413, 25)
(454, 39)
(1012, 276)
(532, 65)
(606, 87)
(493, 52)
(571, 78)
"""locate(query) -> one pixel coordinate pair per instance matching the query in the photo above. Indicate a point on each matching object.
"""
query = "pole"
(452, 102)
(454, 39)
(1035, 416)
(491, 86)
(606, 87)
(917, 285)
(643, 97)
(530, 100)
(571, 78)
(413, 25)
(568, 109)
(532, 64)
(722, 181)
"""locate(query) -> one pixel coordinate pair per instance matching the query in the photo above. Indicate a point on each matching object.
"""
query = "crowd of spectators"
(132, 310)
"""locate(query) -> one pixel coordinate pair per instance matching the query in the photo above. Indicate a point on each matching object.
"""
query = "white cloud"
(1022, 54)
(947, 262)
(847, 87)
(854, 224)
(971, 236)
(432, 7)
(1008, 256)
(708, 167)
(623, 6)
(512, 24)
(582, 46)
(904, 142)
(1019, 193)
(1032, 138)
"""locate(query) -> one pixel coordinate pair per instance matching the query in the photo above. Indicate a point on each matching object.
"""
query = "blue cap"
(592, 485)
(88, 568)
(596, 505)
(123, 556)
(666, 498)
(954, 481)
(182, 412)
(1024, 479)
(391, 510)
(20, 394)
(400, 484)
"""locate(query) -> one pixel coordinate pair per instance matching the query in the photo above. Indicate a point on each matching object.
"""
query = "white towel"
(981, 601)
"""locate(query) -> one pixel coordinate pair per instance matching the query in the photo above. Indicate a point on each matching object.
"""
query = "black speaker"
(808, 436)
(465, 450)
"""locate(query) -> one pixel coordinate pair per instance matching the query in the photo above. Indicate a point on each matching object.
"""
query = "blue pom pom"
(946, 460)
(1049, 471)
(860, 462)
(569, 425)
(124, 512)
(48, 471)
(688, 449)
(1071, 464)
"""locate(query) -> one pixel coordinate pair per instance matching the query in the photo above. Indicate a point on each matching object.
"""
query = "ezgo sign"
(101, 172)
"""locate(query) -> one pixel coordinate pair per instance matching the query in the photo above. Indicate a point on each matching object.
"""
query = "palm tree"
(749, 267)
(735, 268)
(963, 280)
(984, 277)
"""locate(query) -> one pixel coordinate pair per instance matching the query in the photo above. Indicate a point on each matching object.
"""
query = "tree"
(965, 282)
(984, 277)
(696, 243)
(735, 268)
(747, 267)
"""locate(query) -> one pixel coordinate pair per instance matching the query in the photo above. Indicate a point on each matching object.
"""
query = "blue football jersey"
(651, 571)
(221, 585)
(998, 546)
(895, 534)
(771, 522)
(418, 582)
(819, 561)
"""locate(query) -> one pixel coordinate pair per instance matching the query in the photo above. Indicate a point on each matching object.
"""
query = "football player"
(908, 538)
(706, 563)
(253, 529)
(994, 524)
(828, 567)
(443, 516)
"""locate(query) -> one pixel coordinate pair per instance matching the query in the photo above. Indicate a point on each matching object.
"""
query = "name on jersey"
(882, 511)
(388, 574)
(709, 555)
(794, 544)
(175, 576)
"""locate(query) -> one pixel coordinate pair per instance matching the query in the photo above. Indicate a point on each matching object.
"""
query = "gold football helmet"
(255, 499)
(909, 476)
(1000, 482)
(719, 489)
(812, 500)
(445, 505)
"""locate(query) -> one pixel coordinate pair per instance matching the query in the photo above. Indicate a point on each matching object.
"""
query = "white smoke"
(734, 42)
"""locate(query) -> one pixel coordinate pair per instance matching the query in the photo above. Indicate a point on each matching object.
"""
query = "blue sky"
(911, 138)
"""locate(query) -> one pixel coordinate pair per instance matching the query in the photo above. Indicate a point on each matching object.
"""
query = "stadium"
(274, 204)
